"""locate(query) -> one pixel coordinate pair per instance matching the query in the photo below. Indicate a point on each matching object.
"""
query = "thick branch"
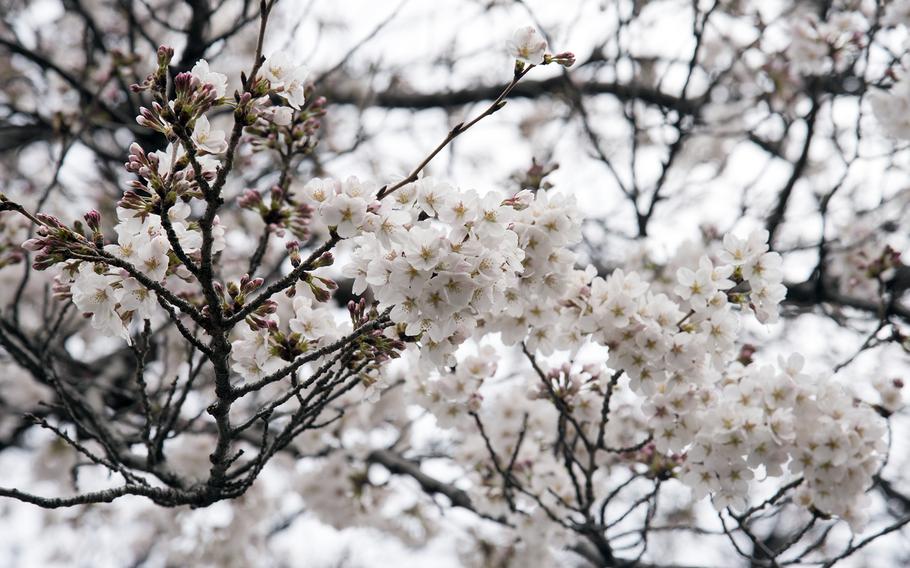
(556, 86)
(400, 466)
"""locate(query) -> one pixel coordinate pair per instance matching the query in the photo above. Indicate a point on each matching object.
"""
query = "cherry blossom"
(202, 72)
(527, 45)
(287, 79)
(211, 141)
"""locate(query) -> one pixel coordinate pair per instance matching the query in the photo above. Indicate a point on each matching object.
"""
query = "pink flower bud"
(34, 244)
(566, 58)
(93, 220)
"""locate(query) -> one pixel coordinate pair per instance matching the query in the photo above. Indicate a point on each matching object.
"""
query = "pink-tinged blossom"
(137, 298)
(286, 78)
(527, 45)
(95, 294)
(211, 141)
(206, 76)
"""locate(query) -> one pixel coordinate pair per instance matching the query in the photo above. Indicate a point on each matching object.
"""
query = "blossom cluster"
(534, 311)
(676, 352)
(892, 108)
(452, 396)
(444, 260)
(286, 78)
(713, 423)
(818, 47)
(867, 260)
(113, 297)
(261, 347)
(759, 417)
(155, 232)
(345, 206)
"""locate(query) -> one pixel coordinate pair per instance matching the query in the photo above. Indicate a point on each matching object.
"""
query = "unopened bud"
(34, 244)
(320, 294)
(268, 307)
(250, 199)
(49, 220)
(327, 259)
(165, 54)
(566, 59)
(184, 83)
(252, 285)
(276, 195)
(293, 248)
(93, 220)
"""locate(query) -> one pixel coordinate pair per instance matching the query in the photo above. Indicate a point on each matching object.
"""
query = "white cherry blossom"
(211, 141)
(205, 75)
(527, 45)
